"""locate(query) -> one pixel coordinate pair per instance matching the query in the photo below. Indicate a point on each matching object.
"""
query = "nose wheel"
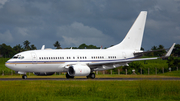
(24, 77)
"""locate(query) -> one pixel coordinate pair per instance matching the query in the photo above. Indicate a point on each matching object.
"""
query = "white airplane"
(82, 62)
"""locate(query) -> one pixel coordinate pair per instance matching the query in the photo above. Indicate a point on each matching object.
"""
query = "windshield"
(14, 57)
(18, 57)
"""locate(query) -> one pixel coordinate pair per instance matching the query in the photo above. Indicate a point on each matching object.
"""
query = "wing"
(121, 62)
(124, 61)
(139, 54)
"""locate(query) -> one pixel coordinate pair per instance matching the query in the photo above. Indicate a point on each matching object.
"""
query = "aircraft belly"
(36, 67)
(45, 68)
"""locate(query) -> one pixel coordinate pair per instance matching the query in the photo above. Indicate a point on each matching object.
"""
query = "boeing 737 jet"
(82, 62)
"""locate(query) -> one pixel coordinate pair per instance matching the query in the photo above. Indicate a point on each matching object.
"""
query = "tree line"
(173, 61)
(8, 51)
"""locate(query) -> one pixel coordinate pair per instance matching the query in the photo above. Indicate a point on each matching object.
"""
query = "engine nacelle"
(43, 73)
(79, 70)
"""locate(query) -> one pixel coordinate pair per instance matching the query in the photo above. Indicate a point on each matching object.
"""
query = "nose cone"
(9, 64)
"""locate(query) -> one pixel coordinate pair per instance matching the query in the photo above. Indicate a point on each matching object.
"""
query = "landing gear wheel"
(69, 77)
(91, 76)
(24, 77)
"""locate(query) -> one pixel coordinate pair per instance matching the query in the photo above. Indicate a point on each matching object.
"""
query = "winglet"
(170, 50)
(43, 47)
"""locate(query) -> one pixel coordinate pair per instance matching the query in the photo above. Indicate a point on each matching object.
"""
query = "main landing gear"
(24, 76)
(91, 76)
(69, 77)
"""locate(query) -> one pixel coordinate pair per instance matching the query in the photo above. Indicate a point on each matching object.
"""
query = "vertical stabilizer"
(133, 39)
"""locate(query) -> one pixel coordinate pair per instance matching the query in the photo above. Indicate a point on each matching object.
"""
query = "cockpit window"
(14, 57)
(22, 57)
(18, 57)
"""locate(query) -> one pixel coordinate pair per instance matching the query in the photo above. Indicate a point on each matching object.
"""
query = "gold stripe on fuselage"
(39, 63)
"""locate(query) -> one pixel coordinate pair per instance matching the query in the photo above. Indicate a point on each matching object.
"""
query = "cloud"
(77, 33)
(2, 3)
(6, 37)
(98, 22)
(23, 32)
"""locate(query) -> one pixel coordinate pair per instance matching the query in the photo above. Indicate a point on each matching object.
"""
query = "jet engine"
(43, 73)
(79, 70)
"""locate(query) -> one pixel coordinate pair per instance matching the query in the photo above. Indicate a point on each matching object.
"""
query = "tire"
(91, 76)
(24, 77)
(69, 77)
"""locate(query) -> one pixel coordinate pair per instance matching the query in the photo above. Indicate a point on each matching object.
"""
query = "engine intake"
(79, 70)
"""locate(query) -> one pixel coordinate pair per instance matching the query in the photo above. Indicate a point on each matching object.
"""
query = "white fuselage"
(57, 60)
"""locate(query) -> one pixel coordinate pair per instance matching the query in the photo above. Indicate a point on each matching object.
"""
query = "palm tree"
(33, 47)
(57, 45)
(161, 53)
(26, 45)
(18, 48)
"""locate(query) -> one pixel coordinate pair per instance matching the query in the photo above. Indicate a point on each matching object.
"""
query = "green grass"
(175, 74)
(172, 73)
(3, 67)
(152, 64)
(89, 90)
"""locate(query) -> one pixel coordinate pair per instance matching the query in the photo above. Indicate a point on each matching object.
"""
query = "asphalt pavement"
(103, 79)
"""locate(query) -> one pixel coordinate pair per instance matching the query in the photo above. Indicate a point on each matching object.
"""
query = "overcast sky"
(98, 22)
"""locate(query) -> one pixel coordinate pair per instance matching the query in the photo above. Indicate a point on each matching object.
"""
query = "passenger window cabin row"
(111, 57)
(79, 57)
(97, 57)
(49, 58)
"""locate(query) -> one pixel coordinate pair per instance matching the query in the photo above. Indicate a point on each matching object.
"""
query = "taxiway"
(103, 79)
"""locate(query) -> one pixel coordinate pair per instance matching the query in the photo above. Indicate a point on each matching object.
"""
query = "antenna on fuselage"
(43, 47)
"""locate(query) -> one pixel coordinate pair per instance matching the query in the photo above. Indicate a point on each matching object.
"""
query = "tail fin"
(133, 39)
